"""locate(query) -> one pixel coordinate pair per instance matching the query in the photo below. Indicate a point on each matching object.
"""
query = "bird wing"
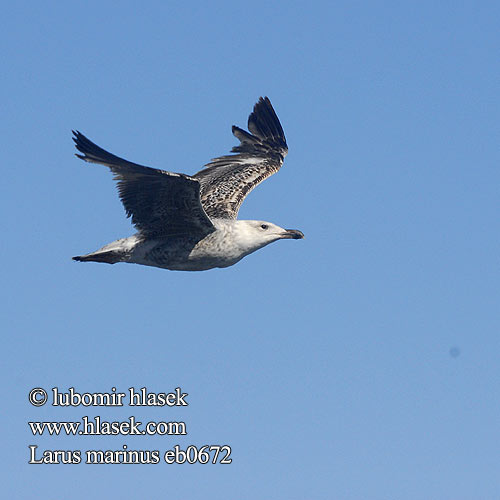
(160, 203)
(226, 180)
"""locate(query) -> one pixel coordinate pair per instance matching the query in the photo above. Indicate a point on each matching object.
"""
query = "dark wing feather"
(228, 179)
(160, 203)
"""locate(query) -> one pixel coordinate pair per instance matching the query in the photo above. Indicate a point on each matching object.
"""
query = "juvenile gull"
(188, 223)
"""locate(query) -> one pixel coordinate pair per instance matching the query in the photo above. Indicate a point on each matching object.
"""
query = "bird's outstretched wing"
(160, 203)
(226, 180)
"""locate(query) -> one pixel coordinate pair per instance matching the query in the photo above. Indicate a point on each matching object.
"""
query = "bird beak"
(293, 234)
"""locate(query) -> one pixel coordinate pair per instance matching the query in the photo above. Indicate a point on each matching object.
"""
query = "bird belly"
(186, 254)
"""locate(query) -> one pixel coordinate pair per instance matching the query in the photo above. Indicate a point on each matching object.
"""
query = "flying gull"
(187, 222)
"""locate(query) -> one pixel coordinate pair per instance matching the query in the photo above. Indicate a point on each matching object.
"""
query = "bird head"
(254, 234)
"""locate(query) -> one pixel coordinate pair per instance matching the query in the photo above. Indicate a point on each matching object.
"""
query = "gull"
(189, 223)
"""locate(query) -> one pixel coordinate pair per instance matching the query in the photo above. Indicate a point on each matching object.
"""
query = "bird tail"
(116, 251)
(107, 257)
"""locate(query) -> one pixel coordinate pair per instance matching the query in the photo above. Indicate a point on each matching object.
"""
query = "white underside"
(229, 243)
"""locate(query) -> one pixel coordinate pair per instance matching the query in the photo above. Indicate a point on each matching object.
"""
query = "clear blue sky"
(324, 363)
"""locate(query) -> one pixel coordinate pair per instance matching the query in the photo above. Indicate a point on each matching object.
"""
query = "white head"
(250, 235)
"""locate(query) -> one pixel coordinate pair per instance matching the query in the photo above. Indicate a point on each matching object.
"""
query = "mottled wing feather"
(160, 203)
(226, 180)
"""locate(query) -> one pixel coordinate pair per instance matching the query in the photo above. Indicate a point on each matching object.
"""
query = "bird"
(189, 223)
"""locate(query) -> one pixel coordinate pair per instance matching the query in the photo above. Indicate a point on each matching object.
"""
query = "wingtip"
(263, 122)
(263, 101)
(78, 139)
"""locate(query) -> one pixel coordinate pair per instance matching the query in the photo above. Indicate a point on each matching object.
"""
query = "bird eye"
(264, 226)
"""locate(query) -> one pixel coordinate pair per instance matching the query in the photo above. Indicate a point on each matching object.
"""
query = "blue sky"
(324, 363)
